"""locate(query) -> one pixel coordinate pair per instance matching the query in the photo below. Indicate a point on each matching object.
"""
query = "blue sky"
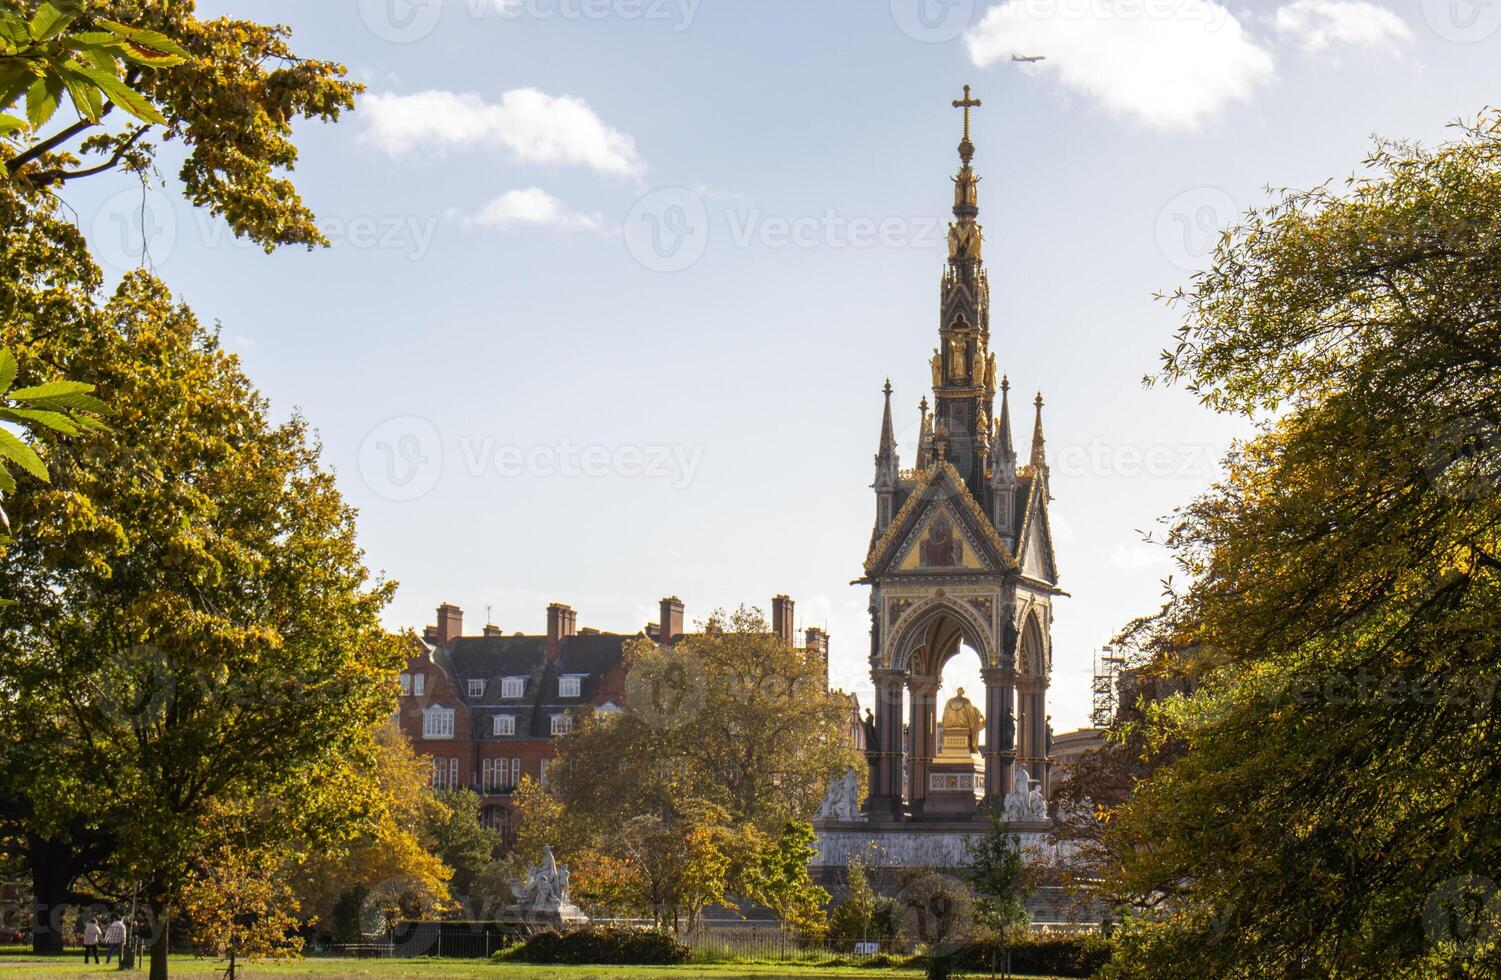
(616, 283)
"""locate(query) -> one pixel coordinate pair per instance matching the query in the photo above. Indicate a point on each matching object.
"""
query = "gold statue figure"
(959, 715)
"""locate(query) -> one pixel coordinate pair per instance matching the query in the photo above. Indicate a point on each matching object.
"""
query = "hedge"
(1049, 955)
(601, 947)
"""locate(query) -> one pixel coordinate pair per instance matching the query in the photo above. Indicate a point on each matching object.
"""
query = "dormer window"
(505, 724)
(476, 688)
(568, 687)
(513, 687)
(562, 724)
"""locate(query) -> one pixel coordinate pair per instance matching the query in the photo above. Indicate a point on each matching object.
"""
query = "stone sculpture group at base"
(543, 898)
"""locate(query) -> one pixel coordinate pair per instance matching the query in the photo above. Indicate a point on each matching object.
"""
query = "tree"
(462, 841)
(388, 862)
(998, 876)
(229, 89)
(1335, 809)
(704, 785)
(779, 880)
(242, 905)
(194, 624)
(863, 916)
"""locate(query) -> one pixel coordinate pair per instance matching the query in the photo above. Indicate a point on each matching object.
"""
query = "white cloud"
(531, 206)
(1169, 63)
(1140, 556)
(1323, 24)
(532, 125)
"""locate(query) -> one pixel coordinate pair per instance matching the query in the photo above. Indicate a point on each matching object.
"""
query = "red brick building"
(486, 708)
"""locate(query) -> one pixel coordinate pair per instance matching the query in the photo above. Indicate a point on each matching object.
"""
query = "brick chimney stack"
(493, 630)
(781, 618)
(670, 625)
(450, 623)
(562, 622)
(817, 642)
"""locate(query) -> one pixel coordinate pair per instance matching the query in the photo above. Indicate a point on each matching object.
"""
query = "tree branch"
(63, 176)
(20, 160)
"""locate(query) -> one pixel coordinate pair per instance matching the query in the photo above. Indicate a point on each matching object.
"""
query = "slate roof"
(590, 657)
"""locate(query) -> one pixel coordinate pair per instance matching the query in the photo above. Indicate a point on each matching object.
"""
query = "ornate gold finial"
(966, 148)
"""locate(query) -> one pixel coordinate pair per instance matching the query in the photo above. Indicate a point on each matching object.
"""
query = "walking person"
(114, 939)
(91, 936)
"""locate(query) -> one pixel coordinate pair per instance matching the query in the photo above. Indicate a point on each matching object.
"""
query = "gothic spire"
(888, 431)
(888, 468)
(1003, 428)
(1039, 454)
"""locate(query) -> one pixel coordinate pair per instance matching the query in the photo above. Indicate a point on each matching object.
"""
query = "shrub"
(601, 947)
(864, 915)
(1049, 955)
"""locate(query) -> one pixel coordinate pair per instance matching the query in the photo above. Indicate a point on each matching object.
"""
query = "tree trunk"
(49, 893)
(51, 886)
(159, 939)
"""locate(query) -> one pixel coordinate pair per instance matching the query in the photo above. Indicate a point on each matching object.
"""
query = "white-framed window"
(476, 687)
(542, 772)
(437, 722)
(562, 724)
(445, 773)
(513, 687)
(568, 687)
(406, 684)
(515, 773)
(505, 724)
(486, 775)
(419, 684)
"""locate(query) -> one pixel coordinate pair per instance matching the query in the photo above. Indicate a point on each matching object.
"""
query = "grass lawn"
(192, 968)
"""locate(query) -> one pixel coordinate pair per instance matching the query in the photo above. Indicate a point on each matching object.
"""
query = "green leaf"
(146, 43)
(74, 402)
(24, 456)
(13, 28)
(120, 94)
(34, 418)
(85, 96)
(53, 17)
(42, 100)
(9, 124)
(7, 482)
(8, 368)
(51, 389)
(15, 79)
